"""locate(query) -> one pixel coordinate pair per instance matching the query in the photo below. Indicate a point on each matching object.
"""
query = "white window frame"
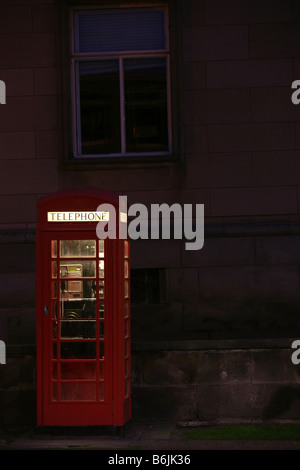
(76, 57)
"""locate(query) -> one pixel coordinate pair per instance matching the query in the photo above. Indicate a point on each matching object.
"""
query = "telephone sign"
(77, 216)
(82, 314)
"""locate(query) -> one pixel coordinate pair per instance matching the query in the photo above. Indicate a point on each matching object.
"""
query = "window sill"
(121, 162)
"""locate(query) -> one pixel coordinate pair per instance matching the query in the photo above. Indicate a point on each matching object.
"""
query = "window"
(121, 74)
(147, 286)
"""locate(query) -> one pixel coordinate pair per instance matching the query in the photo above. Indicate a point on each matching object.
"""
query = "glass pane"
(126, 289)
(126, 313)
(54, 370)
(101, 268)
(54, 329)
(120, 29)
(101, 289)
(73, 269)
(77, 370)
(76, 349)
(126, 388)
(101, 309)
(54, 391)
(100, 107)
(126, 327)
(101, 370)
(126, 248)
(101, 330)
(54, 289)
(54, 309)
(81, 309)
(101, 391)
(54, 248)
(54, 269)
(146, 105)
(78, 319)
(77, 391)
(72, 328)
(101, 248)
(80, 248)
(74, 289)
(126, 269)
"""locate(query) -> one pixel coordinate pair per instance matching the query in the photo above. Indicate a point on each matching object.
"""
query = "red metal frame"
(70, 384)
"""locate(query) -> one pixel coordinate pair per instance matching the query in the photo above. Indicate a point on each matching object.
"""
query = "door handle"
(46, 310)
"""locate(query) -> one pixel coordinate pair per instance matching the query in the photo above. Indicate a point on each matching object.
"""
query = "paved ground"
(138, 437)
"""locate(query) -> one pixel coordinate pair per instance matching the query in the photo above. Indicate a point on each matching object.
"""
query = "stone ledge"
(219, 344)
(14, 350)
(214, 227)
(17, 236)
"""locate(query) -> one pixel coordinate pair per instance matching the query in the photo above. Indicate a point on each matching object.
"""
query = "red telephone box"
(82, 314)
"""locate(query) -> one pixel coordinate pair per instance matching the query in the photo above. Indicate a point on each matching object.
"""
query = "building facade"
(180, 101)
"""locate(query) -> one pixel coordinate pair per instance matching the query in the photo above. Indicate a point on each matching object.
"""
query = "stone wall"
(244, 283)
(18, 387)
(199, 382)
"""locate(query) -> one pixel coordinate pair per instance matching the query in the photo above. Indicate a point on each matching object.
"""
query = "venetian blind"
(119, 30)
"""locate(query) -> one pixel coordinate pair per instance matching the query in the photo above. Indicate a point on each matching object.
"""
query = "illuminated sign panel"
(77, 216)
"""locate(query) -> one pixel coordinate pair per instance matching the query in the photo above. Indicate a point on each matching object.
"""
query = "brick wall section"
(244, 55)
(29, 122)
(241, 147)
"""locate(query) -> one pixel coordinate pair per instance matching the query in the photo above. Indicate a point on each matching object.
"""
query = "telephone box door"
(76, 330)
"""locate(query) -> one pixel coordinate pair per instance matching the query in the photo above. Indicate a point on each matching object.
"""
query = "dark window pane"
(77, 370)
(100, 107)
(145, 286)
(78, 350)
(146, 105)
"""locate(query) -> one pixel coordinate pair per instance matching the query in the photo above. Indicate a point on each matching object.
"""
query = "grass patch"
(268, 432)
